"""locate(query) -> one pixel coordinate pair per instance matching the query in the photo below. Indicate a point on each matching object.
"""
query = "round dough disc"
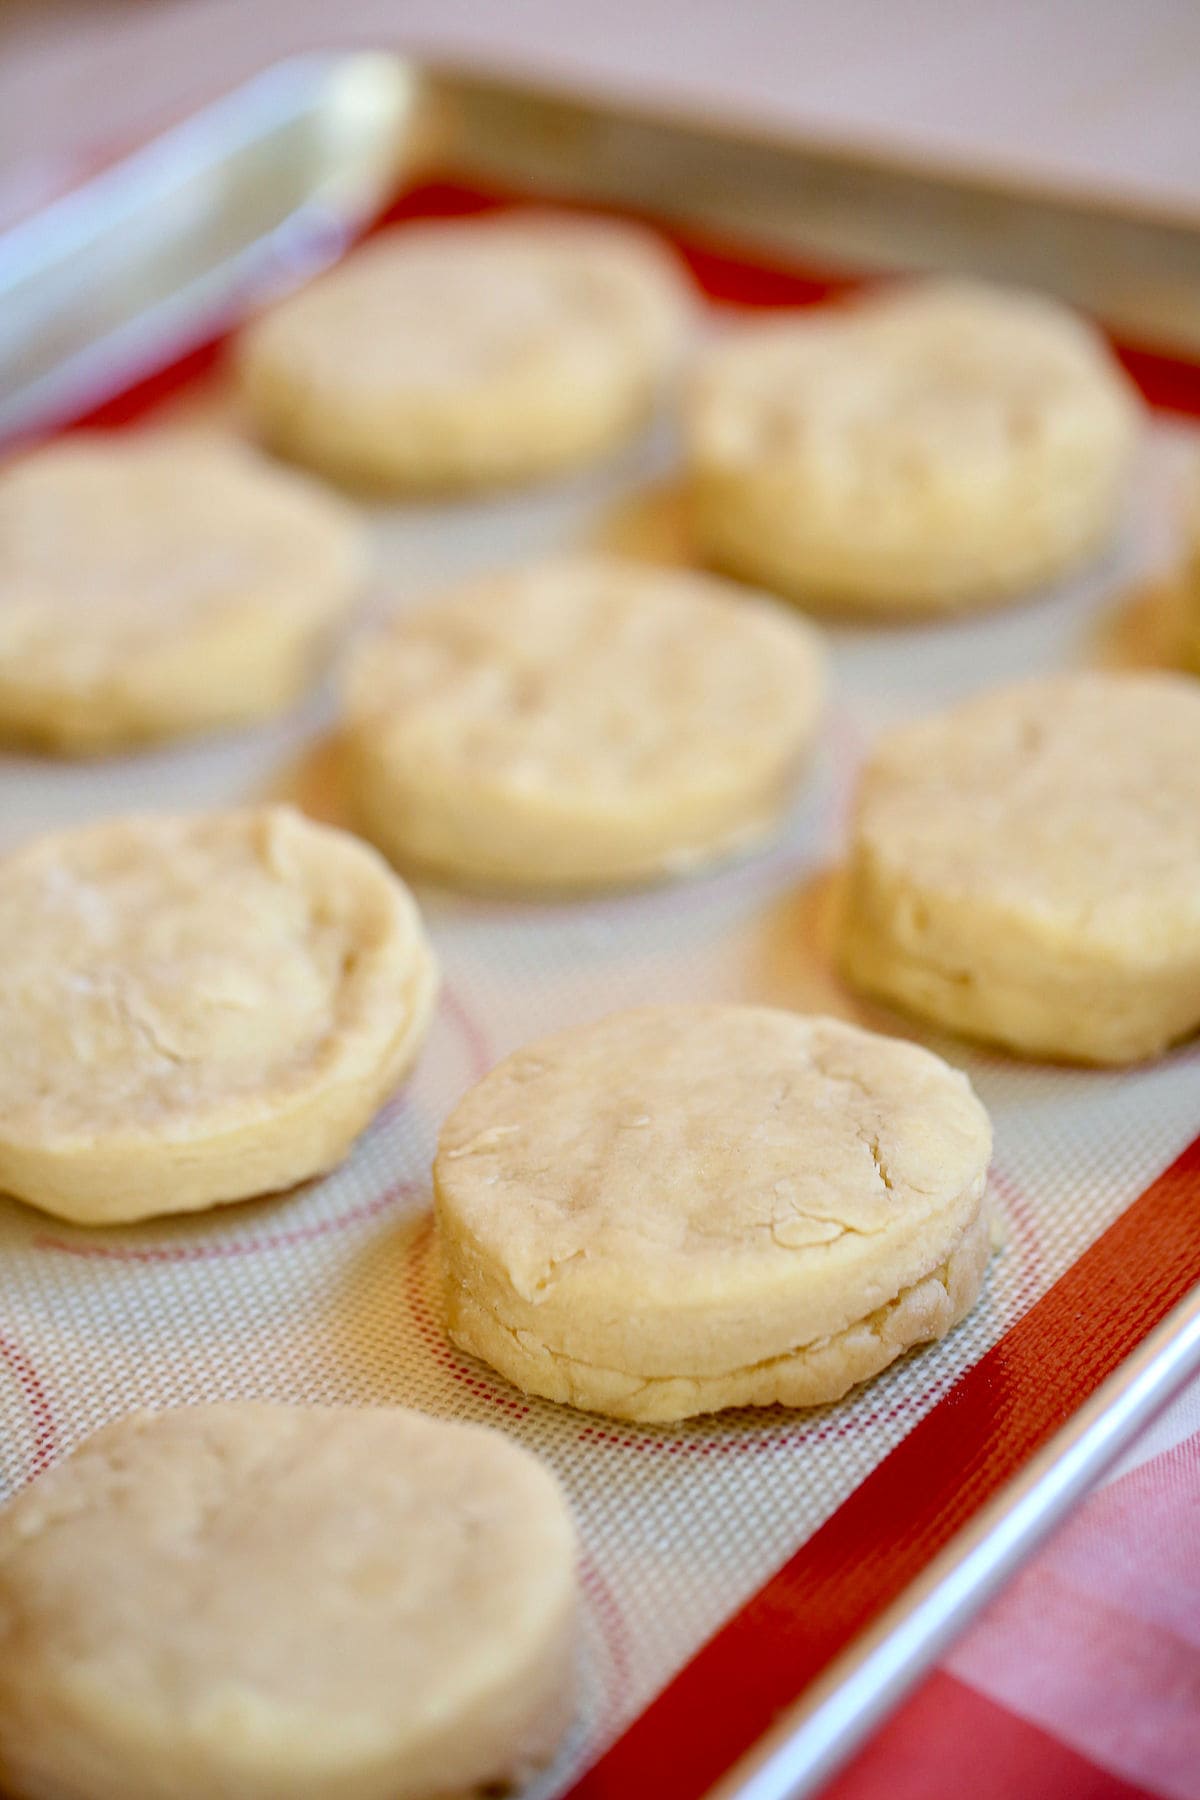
(470, 353)
(284, 1603)
(679, 1209)
(1026, 868)
(580, 723)
(197, 1009)
(916, 452)
(152, 586)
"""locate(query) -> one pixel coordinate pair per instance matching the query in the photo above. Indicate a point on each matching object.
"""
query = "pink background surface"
(1095, 93)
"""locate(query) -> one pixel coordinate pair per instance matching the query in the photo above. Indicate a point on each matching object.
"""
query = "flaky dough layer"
(152, 586)
(579, 723)
(1026, 868)
(931, 448)
(811, 1375)
(284, 1603)
(197, 1009)
(470, 353)
(680, 1208)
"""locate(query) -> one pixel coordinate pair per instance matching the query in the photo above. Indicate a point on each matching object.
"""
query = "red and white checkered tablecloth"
(1082, 1680)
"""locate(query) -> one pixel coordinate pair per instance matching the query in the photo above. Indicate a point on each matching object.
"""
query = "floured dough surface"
(466, 353)
(284, 1603)
(1026, 867)
(152, 586)
(580, 722)
(682, 1208)
(933, 447)
(196, 1009)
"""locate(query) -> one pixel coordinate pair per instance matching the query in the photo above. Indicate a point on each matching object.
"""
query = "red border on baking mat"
(985, 1429)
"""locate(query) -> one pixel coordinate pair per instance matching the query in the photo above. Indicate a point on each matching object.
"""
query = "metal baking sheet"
(711, 1551)
(253, 194)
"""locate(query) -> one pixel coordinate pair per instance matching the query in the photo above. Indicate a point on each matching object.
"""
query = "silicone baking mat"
(766, 1537)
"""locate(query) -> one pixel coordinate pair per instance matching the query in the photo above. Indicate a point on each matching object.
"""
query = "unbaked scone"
(934, 447)
(1026, 868)
(155, 586)
(284, 1603)
(197, 1009)
(579, 723)
(685, 1208)
(469, 353)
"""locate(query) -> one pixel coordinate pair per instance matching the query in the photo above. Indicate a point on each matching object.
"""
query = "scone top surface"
(127, 559)
(1026, 867)
(924, 447)
(136, 535)
(284, 1601)
(947, 369)
(701, 1187)
(449, 303)
(175, 986)
(582, 718)
(472, 350)
(1071, 802)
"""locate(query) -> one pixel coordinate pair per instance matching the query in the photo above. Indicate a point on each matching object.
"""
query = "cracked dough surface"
(284, 1603)
(681, 1208)
(580, 722)
(1026, 867)
(197, 1009)
(935, 447)
(153, 586)
(467, 353)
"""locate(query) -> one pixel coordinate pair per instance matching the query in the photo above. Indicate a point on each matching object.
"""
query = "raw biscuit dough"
(934, 448)
(1026, 867)
(679, 1209)
(154, 586)
(284, 1603)
(470, 353)
(198, 1009)
(579, 723)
